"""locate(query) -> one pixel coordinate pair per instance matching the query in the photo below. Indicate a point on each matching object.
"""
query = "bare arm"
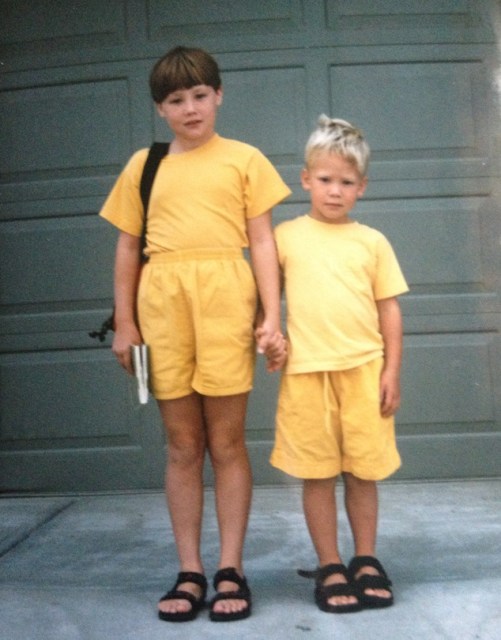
(264, 261)
(390, 322)
(127, 269)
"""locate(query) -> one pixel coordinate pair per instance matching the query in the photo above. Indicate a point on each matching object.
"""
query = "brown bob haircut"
(183, 68)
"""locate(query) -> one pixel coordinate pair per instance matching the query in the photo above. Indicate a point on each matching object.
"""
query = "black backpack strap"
(158, 150)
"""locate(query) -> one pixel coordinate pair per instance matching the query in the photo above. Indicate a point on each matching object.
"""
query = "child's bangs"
(185, 75)
(183, 68)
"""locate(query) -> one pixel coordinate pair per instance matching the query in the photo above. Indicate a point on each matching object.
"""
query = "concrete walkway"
(93, 567)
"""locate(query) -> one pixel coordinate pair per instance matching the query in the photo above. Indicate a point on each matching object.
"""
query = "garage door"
(420, 77)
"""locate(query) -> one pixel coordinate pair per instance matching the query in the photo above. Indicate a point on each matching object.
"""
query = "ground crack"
(39, 525)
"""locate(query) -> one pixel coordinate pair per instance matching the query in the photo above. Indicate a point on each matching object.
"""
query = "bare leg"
(361, 498)
(184, 425)
(361, 501)
(225, 420)
(319, 504)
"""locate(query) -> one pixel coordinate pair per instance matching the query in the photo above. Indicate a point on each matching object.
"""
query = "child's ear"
(305, 179)
(362, 187)
(219, 96)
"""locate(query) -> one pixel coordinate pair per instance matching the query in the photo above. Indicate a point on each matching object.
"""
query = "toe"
(180, 605)
(339, 578)
(229, 605)
(378, 593)
(174, 606)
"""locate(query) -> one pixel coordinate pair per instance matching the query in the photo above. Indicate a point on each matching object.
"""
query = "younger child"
(194, 304)
(340, 388)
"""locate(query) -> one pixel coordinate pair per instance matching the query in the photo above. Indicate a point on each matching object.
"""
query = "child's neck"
(333, 223)
(182, 146)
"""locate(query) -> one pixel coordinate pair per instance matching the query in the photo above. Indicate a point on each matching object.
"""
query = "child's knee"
(354, 482)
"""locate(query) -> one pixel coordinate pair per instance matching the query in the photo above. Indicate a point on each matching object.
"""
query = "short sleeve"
(389, 280)
(263, 188)
(123, 207)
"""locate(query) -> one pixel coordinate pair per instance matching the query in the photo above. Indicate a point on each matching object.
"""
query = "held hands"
(273, 345)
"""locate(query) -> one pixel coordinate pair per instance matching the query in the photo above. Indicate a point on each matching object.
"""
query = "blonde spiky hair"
(334, 135)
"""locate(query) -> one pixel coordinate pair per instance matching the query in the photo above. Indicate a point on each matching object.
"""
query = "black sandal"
(242, 593)
(324, 592)
(366, 581)
(176, 594)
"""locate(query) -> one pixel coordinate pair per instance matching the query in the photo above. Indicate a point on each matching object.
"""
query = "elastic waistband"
(196, 254)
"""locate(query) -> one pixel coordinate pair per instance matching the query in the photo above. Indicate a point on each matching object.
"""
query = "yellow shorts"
(328, 423)
(196, 311)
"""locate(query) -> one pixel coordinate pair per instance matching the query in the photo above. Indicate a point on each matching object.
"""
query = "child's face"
(335, 184)
(191, 114)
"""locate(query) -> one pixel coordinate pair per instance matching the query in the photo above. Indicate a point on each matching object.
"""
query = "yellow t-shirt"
(333, 276)
(200, 198)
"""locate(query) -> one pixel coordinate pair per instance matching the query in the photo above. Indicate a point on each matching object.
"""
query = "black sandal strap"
(242, 592)
(179, 594)
(366, 581)
(175, 594)
(229, 574)
(231, 595)
(321, 573)
(191, 576)
(337, 589)
(358, 562)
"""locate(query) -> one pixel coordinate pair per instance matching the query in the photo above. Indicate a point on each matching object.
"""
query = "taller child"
(194, 304)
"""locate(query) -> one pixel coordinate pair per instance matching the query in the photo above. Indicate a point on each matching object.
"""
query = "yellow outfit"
(196, 299)
(328, 417)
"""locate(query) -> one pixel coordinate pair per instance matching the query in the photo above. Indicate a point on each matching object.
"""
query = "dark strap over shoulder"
(158, 150)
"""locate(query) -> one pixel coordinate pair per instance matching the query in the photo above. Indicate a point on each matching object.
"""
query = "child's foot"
(184, 601)
(371, 582)
(180, 604)
(333, 591)
(370, 571)
(336, 601)
(233, 598)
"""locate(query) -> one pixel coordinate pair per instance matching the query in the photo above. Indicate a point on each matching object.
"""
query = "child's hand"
(125, 336)
(276, 355)
(389, 393)
(275, 363)
(273, 346)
